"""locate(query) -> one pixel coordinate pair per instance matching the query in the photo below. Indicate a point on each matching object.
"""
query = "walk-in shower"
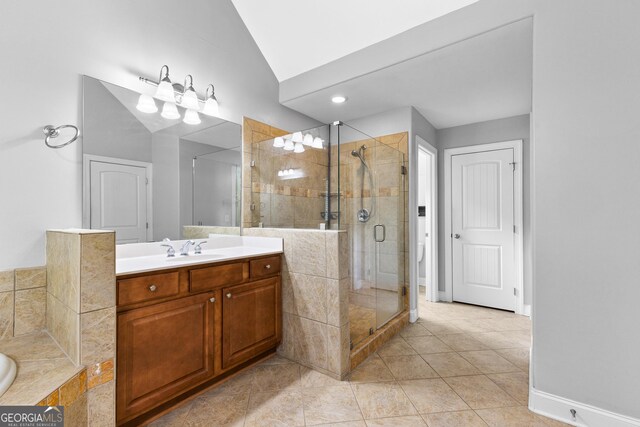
(339, 178)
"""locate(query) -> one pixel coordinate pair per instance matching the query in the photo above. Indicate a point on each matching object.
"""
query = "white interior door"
(119, 200)
(482, 215)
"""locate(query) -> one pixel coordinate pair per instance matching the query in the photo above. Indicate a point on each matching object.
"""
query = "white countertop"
(144, 257)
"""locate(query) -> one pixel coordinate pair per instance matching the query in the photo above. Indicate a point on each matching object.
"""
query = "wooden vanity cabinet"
(187, 328)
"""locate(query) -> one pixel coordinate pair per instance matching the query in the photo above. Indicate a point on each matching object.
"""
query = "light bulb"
(290, 172)
(190, 100)
(317, 143)
(146, 104)
(165, 91)
(211, 107)
(288, 145)
(191, 117)
(298, 148)
(280, 173)
(278, 142)
(308, 139)
(297, 137)
(170, 111)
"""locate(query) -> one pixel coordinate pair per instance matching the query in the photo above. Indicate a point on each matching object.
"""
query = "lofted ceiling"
(297, 36)
(485, 77)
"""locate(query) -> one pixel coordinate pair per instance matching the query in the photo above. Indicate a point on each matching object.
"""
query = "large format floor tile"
(460, 365)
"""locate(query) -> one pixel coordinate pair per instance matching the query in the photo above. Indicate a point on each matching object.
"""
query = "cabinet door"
(251, 319)
(163, 350)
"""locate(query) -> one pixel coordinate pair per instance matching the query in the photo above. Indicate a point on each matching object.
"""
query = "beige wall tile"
(98, 271)
(76, 414)
(64, 326)
(63, 268)
(73, 389)
(97, 336)
(309, 295)
(309, 253)
(101, 408)
(6, 314)
(27, 278)
(30, 309)
(6, 280)
(310, 342)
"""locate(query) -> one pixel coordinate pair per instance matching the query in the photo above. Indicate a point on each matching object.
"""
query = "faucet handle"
(198, 249)
(170, 252)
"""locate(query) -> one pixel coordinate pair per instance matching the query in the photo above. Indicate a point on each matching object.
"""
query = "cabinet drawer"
(146, 288)
(202, 279)
(265, 267)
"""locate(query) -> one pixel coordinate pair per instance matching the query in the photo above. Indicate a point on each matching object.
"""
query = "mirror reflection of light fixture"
(278, 142)
(298, 147)
(146, 104)
(317, 143)
(211, 107)
(170, 111)
(308, 139)
(288, 145)
(165, 88)
(297, 137)
(189, 97)
(191, 117)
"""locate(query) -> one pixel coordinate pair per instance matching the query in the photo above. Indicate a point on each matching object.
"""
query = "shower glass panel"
(372, 211)
(217, 188)
(290, 185)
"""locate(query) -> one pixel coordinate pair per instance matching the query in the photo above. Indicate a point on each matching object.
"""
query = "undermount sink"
(7, 372)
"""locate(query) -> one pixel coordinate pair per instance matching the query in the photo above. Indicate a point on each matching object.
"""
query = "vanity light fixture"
(211, 103)
(298, 147)
(278, 142)
(189, 97)
(146, 104)
(338, 99)
(308, 139)
(288, 145)
(297, 137)
(170, 111)
(165, 88)
(191, 117)
(317, 143)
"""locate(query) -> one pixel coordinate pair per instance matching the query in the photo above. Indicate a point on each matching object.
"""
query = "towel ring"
(54, 132)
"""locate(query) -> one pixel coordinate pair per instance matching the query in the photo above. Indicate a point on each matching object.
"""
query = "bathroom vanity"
(181, 329)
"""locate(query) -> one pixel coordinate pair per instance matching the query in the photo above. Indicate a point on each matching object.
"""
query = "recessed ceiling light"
(338, 99)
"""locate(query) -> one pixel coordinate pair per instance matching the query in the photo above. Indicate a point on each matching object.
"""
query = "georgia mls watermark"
(31, 416)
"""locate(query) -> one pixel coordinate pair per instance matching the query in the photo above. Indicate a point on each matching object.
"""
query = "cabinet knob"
(153, 288)
(212, 299)
(268, 266)
(229, 295)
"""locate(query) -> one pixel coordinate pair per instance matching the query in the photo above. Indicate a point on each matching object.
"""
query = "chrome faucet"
(198, 249)
(184, 250)
(166, 243)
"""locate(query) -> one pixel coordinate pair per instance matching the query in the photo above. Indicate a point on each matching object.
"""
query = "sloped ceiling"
(296, 36)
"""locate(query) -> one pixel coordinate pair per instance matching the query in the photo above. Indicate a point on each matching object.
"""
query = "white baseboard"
(413, 315)
(526, 310)
(559, 409)
(442, 296)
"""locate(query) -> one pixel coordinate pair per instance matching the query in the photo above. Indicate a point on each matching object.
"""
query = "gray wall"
(166, 187)
(482, 133)
(50, 45)
(586, 202)
(109, 129)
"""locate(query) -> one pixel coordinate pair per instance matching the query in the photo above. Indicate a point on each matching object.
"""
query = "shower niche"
(337, 178)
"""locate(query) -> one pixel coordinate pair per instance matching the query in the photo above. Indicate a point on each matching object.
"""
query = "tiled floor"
(459, 366)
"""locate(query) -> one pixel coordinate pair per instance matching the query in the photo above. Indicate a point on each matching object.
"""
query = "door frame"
(518, 186)
(86, 187)
(432, 152)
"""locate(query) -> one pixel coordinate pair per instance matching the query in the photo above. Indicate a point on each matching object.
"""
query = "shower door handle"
(375, 233)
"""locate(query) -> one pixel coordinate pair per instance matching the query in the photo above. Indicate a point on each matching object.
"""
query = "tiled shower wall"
(315, 286)
(277, 201)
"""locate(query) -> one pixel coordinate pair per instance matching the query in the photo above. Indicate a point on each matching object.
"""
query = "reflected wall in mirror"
(148, 177)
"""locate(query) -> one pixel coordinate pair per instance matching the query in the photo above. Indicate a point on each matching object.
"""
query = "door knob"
(229, 295)
(153, 288)
(456, 236)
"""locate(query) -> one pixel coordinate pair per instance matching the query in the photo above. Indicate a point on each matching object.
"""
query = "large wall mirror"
(148, 177)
